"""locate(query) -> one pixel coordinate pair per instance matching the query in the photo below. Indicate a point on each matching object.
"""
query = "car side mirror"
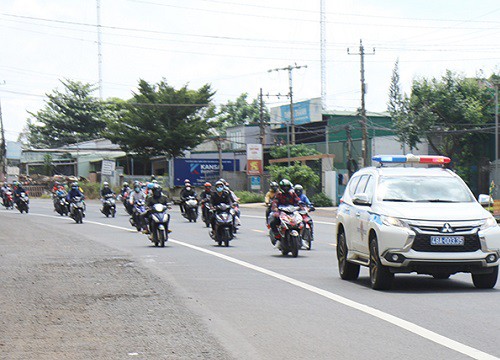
(361, 199)
(485, 200)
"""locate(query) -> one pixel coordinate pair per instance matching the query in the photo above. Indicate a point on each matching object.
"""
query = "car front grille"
(422, 242)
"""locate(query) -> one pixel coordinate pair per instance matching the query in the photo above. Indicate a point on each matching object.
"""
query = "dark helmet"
(298, 189)
(157, 190)
(219, 186)
(274, 185)
(285, 185)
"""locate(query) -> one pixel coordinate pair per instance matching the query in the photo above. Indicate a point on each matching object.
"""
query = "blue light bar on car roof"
(410, 158)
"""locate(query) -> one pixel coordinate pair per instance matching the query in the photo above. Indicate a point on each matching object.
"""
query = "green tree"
(452, 113)
(69, 116)
(241, 112)
(279, 152)
(407, 130)
(296, 173)
(47, 164)
(160, 120)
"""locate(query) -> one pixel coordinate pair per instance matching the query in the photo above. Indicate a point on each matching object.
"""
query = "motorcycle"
(206, 215)
(191, 208)
(237, 220)
(8, 202)
(109, 205)
(306, 233)
(290, 228)
(159, 220)
(23, 203)
(137, 219)
(77, 209)
(60, 204)
(224, 220)
(129, 208)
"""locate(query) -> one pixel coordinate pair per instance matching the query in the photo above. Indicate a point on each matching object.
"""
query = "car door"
(347, 211)
(365, 217)
(361, 215)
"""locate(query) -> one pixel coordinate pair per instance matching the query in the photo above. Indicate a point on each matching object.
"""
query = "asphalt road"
(249, 302)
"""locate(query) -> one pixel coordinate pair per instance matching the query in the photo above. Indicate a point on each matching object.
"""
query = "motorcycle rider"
(18, 190)
(299, 190)
(125, 189)
(185, 193)
(273, 190)
(136, 196)
(156, 197)
(285, 197)
(235, 200)
(3, 190)
(74, 192)
(219, 196)
(106, 190)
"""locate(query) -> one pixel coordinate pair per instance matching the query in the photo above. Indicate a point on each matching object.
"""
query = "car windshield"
(423, 189)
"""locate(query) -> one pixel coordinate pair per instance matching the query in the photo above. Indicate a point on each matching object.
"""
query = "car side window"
(352, 185)
(370, 187)
(361, 184)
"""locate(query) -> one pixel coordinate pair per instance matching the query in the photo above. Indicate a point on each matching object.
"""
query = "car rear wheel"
(380, 276)
(347, 270)
(485, 281)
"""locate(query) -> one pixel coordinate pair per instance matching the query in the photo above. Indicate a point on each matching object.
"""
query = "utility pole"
(323, 53)
(261, 119)
(218, 142)
(99, 45)
(289, 68)
(287, 128)
(364, 141)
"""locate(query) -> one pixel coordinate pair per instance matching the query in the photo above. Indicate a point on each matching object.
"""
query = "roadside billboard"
(199, 171)
(303, 112)
(254, 159)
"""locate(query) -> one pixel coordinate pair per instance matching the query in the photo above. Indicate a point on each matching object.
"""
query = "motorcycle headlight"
(393, 221)
(488, 223)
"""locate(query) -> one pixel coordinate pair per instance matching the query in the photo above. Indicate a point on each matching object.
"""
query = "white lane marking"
(394, 320)
(262, 217)
(259, 231)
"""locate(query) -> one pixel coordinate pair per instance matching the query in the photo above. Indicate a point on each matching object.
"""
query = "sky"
(232, 45)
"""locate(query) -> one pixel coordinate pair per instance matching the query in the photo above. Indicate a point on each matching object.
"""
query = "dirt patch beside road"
(64, 298)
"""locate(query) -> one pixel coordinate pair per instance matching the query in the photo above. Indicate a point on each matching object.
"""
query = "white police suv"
(397, 219)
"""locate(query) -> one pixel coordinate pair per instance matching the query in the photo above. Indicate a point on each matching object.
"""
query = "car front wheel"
(380, 276)
(485, 281)
(347, 270)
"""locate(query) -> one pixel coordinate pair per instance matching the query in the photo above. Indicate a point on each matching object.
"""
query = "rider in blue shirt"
(299, 190)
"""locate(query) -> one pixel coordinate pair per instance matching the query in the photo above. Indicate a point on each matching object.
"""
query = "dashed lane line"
(394, 320)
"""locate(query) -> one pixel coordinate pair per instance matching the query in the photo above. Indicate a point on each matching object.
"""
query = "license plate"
(448, 240)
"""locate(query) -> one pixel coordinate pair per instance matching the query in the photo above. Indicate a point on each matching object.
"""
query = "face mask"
(188, 188)
(137, 189)
(220, 188)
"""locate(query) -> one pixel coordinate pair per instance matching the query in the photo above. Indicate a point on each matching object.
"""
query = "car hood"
(432, 211)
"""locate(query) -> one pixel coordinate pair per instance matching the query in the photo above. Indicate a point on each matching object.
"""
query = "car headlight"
(393, 221)
(489, 222)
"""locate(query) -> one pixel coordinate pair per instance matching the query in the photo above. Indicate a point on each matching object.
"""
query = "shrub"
(91, 190)
(249, 197)
(321, 200)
